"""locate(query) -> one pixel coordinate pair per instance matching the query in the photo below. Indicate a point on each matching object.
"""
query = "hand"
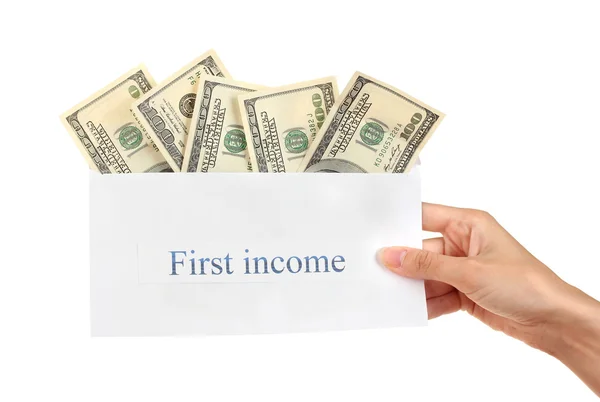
(477, 266)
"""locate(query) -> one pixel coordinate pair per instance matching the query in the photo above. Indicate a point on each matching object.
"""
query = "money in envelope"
(237, 251)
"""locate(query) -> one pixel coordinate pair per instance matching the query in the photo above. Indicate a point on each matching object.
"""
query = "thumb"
(422, 264)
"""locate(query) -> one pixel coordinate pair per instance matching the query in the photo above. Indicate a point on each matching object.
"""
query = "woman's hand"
(477, 266)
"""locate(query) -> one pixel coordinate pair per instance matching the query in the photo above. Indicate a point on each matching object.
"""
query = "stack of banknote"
(201, 120)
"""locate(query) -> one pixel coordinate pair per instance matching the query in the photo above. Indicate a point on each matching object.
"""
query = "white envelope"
(238, 253)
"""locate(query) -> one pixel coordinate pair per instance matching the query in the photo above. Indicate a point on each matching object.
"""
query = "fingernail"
(391, 257)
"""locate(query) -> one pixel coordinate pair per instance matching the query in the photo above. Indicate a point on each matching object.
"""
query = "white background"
(520, 86)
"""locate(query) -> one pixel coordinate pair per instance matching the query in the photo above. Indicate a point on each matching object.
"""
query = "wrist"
(577, 337)
(577, 325)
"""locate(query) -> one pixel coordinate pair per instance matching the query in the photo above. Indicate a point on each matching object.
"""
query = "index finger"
(437, 217)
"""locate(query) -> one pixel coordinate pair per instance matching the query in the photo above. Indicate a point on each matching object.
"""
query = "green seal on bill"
(296, 141)
(134, 91)
(371, 133)
(130, 137)
(235, 141)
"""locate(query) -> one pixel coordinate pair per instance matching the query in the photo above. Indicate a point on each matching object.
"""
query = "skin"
(478, 267)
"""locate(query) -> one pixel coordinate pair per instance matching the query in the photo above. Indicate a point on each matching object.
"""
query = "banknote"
(166, 111)
(105, 132)
(281, 123)
(372, 128)
(216, 142)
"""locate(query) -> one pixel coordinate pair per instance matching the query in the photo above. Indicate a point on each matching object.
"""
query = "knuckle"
(478, 215)
(423, 261)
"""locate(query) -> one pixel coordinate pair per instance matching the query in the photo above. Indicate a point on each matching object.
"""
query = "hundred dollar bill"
(166, 111)
(105, 132)
(281, 123)
(373, 128)
(216, 142)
